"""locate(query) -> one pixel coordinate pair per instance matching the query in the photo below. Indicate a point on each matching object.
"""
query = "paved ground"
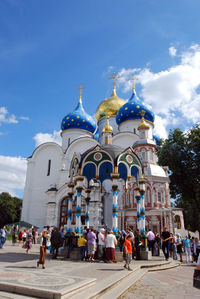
(19, 268)
(175, 283)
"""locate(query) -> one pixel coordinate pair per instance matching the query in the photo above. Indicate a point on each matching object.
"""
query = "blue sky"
(47, 48)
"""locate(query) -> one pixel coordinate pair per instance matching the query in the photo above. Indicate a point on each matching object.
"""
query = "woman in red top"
(128, 252)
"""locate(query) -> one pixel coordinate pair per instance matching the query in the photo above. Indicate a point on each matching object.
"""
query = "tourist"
(174, 247)
(33, 234)
(165, 243)
(82, 245)
(137, 244)
(62, 233)
(36, 236)
(151, 240)
(24, 238)
(29, 238)
(128, 252)
(91, 243)
(156, 246)
(3, 235)
(20, 235)
(121, 240)
(196, 249)
(101, 244)
(187, 244)
(110, 243)
(69, 242)
(43, 246)
(56, 242)
(179, 246)
(14, 234)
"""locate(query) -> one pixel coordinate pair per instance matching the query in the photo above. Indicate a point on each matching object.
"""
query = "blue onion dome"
(79, 119)
(133, 109)
(157, 139)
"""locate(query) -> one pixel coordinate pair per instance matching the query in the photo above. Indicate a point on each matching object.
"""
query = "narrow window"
(143, 156)
(49, 168)
(159, 196)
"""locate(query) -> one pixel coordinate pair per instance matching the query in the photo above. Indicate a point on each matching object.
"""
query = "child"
(128, 252)
(82, 244)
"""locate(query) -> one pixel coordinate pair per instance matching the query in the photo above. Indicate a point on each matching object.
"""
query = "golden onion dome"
(143, 125)
(110, 106)
(107, 128)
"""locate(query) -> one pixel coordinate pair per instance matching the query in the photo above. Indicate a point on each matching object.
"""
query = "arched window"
(177, 220)
(89, 171)
(105, 170)
(122, 171)
(134, 171)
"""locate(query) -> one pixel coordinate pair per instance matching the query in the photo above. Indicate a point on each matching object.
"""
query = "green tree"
(10, 208)
(181, 152)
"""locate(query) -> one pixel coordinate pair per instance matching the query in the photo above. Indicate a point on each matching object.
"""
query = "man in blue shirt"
(187, 244)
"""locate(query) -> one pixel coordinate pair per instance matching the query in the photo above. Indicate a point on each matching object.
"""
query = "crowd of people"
(100, 245)
(174, 245)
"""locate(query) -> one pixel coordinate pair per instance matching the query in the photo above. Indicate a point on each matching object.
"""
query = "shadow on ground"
(9, 257)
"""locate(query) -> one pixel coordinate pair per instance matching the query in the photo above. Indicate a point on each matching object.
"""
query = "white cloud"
(5, 118)
(173, 92)
(160, 127)
(12, 174)
(46, 137)
(24, 117)
(172, 51)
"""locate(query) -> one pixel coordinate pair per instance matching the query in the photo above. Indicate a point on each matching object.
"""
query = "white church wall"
(78, 146)
(132, 126)
(124, 140)
(40, 176)
(68, 136)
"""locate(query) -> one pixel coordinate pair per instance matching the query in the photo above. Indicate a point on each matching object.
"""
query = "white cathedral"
(93, 177)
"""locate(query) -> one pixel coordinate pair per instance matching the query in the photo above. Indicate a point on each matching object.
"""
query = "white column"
(69, 212)
(79, 188)
(142, 209)
(115, 177)
(87, 214)
(137, 191)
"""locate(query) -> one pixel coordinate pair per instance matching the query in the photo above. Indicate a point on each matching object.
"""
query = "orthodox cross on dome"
(133, 79)
(114, 77)
(80, 92)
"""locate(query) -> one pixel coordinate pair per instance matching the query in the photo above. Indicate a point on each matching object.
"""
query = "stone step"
(168, 266)
(105, 285)
(123, 286)
(115, 287)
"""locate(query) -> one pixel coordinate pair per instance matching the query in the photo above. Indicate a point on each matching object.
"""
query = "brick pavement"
(175, 283)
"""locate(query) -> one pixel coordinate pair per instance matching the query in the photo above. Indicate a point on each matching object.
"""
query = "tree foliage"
(10, 208)
(181, 152)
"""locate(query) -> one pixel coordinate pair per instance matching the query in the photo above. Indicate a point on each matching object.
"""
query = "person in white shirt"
(151, 240)
(111, 242)
(101, 244)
